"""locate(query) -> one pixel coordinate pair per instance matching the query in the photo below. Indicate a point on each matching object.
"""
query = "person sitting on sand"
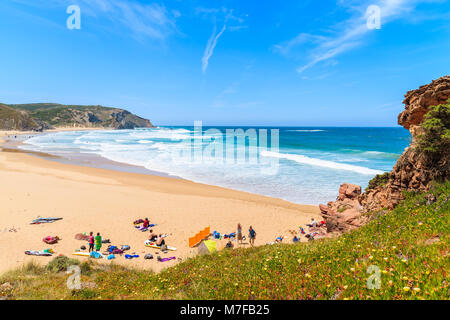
(98, 242)
(160, 241)
(153, 236)
(252, 235)
(296, 239)
(146, 223)
(229, 245)
(313, 223)
(279, 239)
(91, 241)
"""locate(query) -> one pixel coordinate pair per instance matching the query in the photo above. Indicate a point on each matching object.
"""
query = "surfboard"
(152, 244)
(84, 254)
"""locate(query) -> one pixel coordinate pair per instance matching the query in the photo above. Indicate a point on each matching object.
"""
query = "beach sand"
(106, 201)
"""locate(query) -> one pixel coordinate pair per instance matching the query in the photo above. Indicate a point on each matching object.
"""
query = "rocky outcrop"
(47, 115)
(344, 214)
(410, 173)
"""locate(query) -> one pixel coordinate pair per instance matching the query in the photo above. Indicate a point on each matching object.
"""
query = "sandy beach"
(106, 201)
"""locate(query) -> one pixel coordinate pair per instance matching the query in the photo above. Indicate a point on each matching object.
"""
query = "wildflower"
(352, 269)
(385, 259)
(416, 289)
(406, 289)
(405, 278)
(345, 287)
(384, 271)
(371, 257)
(390, 282)
(394, 247)
(404, 260)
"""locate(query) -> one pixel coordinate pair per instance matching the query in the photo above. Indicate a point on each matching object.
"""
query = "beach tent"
(207, 247)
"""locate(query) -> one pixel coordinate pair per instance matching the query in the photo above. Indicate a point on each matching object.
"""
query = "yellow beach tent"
(207, 247)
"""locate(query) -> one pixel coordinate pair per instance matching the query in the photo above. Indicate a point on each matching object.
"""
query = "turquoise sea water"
(307, 167)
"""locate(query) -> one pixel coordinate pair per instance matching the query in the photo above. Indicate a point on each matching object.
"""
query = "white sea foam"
(320, 163)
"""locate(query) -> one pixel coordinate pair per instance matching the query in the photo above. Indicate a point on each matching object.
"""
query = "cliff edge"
(427, 117)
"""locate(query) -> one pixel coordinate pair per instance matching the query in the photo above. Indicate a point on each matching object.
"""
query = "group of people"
(95, 243)
(157, 238)
(251, 235)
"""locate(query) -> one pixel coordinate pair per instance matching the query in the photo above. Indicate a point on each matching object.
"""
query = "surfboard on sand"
(152, 244)
(85, 254)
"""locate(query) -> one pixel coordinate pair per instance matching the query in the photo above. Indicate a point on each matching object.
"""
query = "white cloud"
(212, 41)
(348, 34)
(142, 20)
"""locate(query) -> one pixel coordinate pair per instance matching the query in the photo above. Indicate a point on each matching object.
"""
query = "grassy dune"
(408, 246)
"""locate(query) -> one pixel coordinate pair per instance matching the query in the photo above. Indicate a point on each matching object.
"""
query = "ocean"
(300, 164)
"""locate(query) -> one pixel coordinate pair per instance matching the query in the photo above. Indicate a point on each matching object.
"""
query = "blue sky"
(278, 63)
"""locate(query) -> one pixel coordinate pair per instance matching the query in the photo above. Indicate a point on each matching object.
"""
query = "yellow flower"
(352, 269)
(345, 287)
(416, 289)
(252, 292)
(406, 289)
(384, 271)
(371, 257)
(404, 260)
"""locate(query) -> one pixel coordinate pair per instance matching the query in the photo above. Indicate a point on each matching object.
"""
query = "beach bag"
(117, 251)
(95, 255)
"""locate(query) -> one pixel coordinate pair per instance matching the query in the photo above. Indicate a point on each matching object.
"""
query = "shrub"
(379, 180)
(61, 263)
(434, 142)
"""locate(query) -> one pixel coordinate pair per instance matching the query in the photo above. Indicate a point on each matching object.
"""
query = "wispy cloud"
(347, 34)
(152, 20)
(212, 41)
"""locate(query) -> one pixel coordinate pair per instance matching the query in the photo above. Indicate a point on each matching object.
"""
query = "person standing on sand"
(239, 233)
(91, 242)
(98, 242)
(252, 236)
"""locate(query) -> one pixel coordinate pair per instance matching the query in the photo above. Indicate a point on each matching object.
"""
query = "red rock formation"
(409, 173)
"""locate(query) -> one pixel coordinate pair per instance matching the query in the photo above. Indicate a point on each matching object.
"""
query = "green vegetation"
(434, 142)
(12, 119)
(409, 245)
(48, 115)
(378, 180)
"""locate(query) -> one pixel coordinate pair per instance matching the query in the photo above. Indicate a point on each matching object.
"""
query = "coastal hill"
(42, 116)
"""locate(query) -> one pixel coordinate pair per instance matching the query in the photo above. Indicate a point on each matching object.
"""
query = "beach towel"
(37, 253)
(111, 256)
(165, 259)
(129, 256)
(111, 248)
(117, 251)
(44, 220)
(139, 221)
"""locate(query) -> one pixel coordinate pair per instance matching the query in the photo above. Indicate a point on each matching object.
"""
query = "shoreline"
(108, 201)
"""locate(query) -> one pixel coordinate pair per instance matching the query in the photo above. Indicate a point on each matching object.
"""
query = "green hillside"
(50, 115)
(409, 245)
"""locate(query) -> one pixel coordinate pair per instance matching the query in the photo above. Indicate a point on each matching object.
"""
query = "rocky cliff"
(48, 115)
(413, 171)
